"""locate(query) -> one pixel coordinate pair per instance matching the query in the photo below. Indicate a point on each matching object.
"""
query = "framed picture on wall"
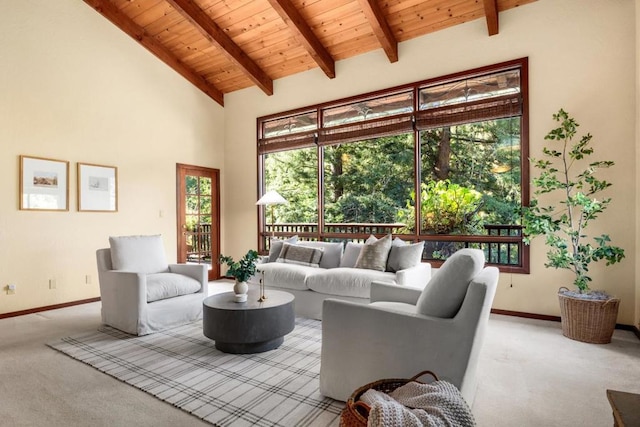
(97, 188)
(44, 184)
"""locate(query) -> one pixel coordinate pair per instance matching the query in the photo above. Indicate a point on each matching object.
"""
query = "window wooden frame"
(394, 124)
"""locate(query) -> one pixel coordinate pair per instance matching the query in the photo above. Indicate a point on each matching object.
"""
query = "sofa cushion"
(169, 285)
(287, 276)
(331, 253)
(300, 255)
(404, 256)
(138, 254)
(443, 295)
(373, 256)
(351, 253)
(275, 246)
(348, 282)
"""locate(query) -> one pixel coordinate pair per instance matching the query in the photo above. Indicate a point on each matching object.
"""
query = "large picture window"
(442, 161)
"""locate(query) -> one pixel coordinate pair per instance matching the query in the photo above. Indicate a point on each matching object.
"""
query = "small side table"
(626, 408)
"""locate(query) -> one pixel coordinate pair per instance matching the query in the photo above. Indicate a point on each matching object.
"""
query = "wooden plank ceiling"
(222, 46)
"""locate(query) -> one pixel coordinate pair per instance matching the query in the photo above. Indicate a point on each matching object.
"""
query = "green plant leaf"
(243, 269)
(563, 224)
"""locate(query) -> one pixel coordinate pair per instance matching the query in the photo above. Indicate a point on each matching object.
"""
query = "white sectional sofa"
(339, 273)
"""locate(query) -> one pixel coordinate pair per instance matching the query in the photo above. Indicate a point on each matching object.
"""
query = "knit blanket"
(416, 405)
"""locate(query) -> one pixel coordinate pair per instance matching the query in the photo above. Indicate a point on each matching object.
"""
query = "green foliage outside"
(198, 201)
(243, 269)
(367, 182)
(483, 156)
(564, 225)
(294, 174)
(373, 181)
(446, 208)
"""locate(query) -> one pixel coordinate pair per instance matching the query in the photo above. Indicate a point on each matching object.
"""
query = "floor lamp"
(269, 199)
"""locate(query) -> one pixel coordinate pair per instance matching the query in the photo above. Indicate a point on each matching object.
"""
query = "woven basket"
(356, 413)
(591, 321)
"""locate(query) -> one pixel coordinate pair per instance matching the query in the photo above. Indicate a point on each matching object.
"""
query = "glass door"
(199, 217)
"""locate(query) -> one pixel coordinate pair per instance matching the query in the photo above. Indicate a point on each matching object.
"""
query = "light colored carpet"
(182, 367)
(530, 375)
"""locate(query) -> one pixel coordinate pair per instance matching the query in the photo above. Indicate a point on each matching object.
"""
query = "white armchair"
(407, 330)
(141, 293)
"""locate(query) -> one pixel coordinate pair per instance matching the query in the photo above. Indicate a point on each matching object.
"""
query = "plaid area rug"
(182, 367)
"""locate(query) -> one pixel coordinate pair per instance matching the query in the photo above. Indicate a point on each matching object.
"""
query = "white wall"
(75, 87)
(582, 57)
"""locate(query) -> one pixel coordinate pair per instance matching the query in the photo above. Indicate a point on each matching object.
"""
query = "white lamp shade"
(271, 198)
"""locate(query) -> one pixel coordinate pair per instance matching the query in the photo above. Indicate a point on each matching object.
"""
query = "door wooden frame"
(181, 168)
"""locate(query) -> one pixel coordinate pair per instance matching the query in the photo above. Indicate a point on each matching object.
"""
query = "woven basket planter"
(591, 321)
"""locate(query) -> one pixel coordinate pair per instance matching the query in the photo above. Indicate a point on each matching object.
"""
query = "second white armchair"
(406, 330)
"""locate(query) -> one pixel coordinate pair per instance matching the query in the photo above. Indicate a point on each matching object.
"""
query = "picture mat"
(44, 184)
(97, 188)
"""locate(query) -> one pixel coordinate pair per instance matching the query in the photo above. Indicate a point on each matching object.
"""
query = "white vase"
(240, 290)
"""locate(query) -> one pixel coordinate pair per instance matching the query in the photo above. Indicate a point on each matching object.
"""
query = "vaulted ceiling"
(225, 45)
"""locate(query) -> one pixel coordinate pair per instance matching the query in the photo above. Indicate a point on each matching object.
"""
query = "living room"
(78, 89)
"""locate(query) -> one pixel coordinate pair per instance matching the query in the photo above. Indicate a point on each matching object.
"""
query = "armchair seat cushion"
(168, 285)
(347, 282)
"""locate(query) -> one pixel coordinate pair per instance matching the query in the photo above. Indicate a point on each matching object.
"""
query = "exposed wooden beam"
(126, 24)
(209, 29)
(381, 29)
(304, 35)
(491, 12)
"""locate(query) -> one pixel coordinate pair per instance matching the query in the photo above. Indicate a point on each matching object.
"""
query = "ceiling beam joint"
(381, 29)
(304, 35)
(491, 12)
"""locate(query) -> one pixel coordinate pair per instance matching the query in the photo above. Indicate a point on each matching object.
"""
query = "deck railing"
(199, 244)
(502, 244)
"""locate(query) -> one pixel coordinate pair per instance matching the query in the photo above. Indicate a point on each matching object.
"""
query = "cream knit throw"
(434, 405)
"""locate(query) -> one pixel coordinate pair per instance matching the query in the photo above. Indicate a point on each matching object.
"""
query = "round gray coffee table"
(248, 327)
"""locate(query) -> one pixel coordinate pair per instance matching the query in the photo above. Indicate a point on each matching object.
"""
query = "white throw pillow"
(405, 256)
(138, 254)
(373, 256)
(370, 239)
(398, 242)
(331, 253)
(351, 254)
(443, 295)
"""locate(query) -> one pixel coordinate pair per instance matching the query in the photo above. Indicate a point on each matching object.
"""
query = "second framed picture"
(97, 188)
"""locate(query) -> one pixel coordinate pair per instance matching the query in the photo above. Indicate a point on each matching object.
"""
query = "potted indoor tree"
(242, 271)
(586, 315)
